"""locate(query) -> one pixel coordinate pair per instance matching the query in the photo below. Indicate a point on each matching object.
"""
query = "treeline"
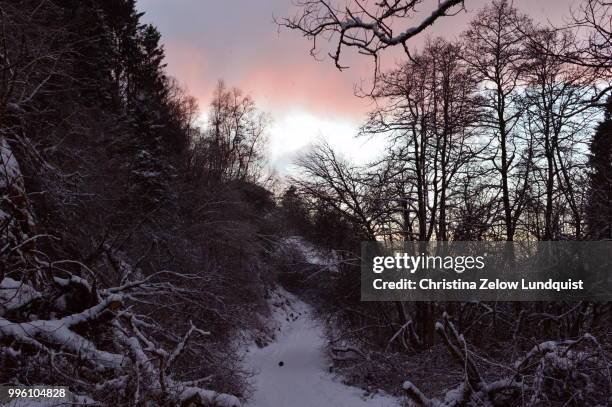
(133, 240)
(502, 134)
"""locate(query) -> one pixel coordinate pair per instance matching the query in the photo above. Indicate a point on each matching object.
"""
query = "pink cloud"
(238, 42)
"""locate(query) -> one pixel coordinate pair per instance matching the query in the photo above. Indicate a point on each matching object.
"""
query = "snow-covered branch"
(370, 28)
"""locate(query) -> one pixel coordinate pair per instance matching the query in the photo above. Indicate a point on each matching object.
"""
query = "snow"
(11, 182)
(315, 256)
(15, 294)
(71, 400)
(58, 331)
(209, 397)
(304, 380)
(9, 168)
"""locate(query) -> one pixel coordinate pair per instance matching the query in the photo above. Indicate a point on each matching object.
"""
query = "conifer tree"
(599, 209)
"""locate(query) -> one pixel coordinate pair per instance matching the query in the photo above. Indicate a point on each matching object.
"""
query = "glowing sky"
(237, 41)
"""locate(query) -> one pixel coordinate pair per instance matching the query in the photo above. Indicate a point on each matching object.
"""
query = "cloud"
(237, 41)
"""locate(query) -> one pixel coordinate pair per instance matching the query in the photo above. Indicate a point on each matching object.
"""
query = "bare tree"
(232, 143)
(593, 23)
(428, 112)
(371, 28)
(555, 96)
(332, 180)
(494, 48)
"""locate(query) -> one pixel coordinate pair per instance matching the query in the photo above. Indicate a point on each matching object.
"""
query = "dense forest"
(141, 247)
(133, 241)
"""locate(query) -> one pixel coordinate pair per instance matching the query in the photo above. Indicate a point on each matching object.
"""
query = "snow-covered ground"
(304, 379)
(326, 260)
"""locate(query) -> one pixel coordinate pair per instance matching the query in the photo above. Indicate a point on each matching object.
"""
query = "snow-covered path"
(303, 380)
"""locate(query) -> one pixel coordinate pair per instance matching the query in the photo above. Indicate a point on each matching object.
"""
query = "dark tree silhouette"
(599, 207)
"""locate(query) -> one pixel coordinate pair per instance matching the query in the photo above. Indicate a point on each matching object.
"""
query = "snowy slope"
(326, 259)
(304, 380)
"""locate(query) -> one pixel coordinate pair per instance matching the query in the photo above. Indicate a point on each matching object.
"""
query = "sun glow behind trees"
(294, 132)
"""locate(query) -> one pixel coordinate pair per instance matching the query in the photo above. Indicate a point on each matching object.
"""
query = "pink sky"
(237, 41)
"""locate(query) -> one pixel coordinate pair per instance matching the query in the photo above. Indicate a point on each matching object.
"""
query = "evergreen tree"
(295, 211)
(599, 208)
